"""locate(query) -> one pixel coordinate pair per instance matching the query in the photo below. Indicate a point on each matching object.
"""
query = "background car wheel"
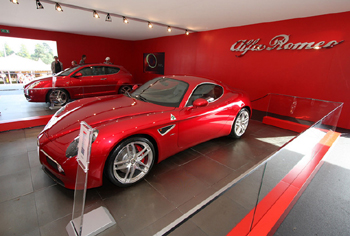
(240, 124)
(130, 162)
(58, 97)
(124, 88)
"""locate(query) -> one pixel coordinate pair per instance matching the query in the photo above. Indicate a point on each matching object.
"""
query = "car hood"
(97, 111)
(38, 79)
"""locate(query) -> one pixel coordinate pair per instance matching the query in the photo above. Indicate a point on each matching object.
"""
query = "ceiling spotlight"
(58, 7)
(187, 32)
(94, 13)
(14, 1)
(125, 20)
(39, 5)
(108, 18)
(150, 25)
(169, 29)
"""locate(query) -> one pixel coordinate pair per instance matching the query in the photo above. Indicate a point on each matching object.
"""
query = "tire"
(130, 161)
(58, 97)
(240, 124)
(124, 88)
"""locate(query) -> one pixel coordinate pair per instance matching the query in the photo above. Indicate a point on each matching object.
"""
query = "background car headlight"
(72, 149)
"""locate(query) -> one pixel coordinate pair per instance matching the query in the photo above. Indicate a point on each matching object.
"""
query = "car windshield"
(67, 71)
(162, 91)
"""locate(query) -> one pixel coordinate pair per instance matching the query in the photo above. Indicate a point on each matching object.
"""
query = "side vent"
(163, 131)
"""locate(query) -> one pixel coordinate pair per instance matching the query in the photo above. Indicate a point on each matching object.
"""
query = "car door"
(91, 81)
(199, 124)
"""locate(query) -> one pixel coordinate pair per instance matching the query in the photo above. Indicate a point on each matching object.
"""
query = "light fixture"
(187, 32)
(39, 5)
(94, 13)
(14, 1)
(58, 7)
(169, 29)
(108, 18)
(125, 20)
(150, 25)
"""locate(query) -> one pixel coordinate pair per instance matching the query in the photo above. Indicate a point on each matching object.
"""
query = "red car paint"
(98, 82)
(118, 117)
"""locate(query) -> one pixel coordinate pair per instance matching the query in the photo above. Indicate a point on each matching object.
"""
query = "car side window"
(210, 92)
(87, 71)
(98, 70)
(112, 70)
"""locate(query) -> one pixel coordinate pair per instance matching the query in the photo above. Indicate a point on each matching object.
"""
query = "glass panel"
(284, 166)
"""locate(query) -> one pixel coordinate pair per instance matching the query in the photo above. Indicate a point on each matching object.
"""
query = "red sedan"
(134, 131)
(79, 82)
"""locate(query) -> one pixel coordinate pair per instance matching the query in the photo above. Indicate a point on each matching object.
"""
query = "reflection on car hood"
(97, 111)
(43, 78)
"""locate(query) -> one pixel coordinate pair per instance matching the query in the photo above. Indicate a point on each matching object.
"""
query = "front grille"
(52, 163)
(52, 176)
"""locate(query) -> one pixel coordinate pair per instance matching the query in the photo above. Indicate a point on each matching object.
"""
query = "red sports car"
(133, 131)
(79, 82)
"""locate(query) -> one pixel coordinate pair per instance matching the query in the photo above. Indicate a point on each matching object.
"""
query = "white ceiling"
(196, 15)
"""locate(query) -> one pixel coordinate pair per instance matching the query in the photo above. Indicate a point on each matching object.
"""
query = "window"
(112, 70)
(210, 92)
(162, 91)
(87, 71)
(98, 70)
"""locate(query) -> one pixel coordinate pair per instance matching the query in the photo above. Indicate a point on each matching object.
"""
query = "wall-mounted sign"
(279, 42)
(153, 63)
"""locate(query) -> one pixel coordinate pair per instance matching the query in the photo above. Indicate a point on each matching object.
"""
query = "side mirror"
(134, 87)
(79, 74)
(200, 102)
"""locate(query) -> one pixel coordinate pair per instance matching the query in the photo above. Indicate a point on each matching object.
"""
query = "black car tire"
(130, 161)
(240, 124)
(57, 97)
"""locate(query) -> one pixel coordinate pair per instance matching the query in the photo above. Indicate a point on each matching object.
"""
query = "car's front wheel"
(57, 97)
(130, 161)
(240, 124)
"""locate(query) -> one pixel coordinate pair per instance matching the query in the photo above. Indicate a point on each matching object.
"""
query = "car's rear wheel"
(130, 161)
(124, 88)
(58, 97)
(240, 124)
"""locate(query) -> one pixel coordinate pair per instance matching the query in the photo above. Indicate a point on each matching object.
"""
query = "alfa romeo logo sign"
(279, 42)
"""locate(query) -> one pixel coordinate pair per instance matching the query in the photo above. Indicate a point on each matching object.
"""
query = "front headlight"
(72, 149)
(33, 85)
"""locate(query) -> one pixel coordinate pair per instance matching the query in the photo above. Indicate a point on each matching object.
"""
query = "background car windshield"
(67, 72)
(162, 91)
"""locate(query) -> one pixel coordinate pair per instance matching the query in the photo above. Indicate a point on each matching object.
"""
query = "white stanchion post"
(96, 220)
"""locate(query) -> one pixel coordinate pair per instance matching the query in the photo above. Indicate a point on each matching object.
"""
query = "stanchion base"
(94, 223)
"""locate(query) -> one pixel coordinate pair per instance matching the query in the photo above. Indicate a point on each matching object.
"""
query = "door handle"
(103, 78)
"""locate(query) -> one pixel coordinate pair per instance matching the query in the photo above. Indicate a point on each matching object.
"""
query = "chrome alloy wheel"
(133, 162)
(241, 123)
(58, 97)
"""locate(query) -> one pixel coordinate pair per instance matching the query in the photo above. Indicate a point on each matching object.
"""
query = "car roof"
(97, 64)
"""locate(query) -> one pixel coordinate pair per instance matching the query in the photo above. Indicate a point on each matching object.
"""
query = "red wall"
(72, 46)
(321, 74)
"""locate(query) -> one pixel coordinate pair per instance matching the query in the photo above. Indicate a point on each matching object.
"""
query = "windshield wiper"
(127, 93)
(141, 98)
